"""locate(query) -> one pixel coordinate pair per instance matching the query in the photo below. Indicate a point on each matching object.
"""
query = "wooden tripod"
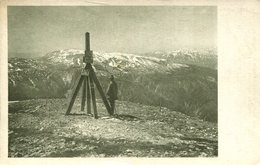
(88, 78)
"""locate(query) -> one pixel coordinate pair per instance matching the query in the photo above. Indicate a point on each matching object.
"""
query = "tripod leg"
(74, 95)
(93, 97)
(83, 100)
(88, 96)
(102, 94)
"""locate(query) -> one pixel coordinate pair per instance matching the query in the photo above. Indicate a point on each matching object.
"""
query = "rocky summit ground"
(39, 128)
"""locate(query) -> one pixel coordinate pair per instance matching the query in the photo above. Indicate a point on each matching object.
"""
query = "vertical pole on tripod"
(83, 99)
(88, 97)
(88, 81)
(93, 97)
(87, 42)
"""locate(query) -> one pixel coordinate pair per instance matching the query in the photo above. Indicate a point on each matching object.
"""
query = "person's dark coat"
(112, 91)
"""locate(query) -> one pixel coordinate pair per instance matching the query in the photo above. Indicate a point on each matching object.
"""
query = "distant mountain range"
(204, 58)
(184, 81)
(114, 62)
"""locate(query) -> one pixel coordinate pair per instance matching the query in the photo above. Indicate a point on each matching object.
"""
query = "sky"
(129, 29)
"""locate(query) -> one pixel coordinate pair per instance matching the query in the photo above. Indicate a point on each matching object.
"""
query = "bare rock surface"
(39, 128)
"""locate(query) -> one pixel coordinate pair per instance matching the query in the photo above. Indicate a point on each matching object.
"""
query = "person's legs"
(112, 104)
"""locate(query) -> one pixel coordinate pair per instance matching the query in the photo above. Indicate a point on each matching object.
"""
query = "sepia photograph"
(112, 81)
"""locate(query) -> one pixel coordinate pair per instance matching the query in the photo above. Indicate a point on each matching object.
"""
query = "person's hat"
(112, 77)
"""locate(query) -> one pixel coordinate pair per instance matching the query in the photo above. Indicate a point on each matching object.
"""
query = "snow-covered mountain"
(204, 57)
(113, 62)
(153, 80)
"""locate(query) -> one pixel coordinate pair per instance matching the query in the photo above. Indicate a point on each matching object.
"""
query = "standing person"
(112, 93)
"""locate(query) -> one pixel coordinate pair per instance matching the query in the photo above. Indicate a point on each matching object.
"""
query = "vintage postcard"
(129, 82)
